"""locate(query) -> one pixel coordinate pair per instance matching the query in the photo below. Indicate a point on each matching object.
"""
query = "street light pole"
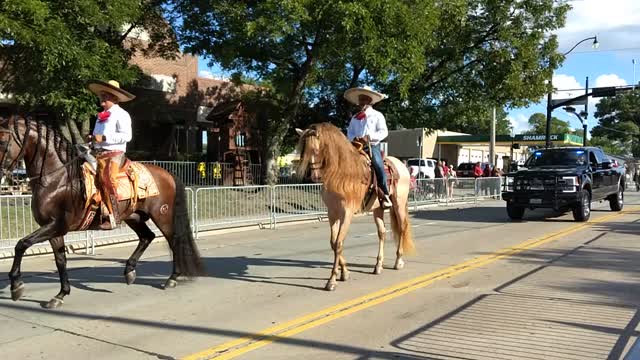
(595, 45)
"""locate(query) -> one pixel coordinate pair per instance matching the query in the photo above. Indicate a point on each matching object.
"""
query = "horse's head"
(310, 155)
(10, 148)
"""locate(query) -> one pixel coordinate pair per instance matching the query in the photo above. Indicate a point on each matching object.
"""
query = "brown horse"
(345, 174)
(58, 202)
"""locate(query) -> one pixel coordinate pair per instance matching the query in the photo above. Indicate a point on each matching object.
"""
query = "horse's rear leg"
(146, 236)
(378, 215)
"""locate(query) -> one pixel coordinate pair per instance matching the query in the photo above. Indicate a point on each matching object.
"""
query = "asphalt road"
(479, 287)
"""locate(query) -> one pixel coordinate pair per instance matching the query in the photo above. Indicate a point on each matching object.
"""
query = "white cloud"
(569, 86)
(206, 74)
(616, 23)
(519, 122)
(610, 80)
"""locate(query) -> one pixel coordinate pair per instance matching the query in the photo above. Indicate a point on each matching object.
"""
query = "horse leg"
(340, 229)
(59, 252)
(401, 231)
(45, 232)
(378, 215)
(146, 236)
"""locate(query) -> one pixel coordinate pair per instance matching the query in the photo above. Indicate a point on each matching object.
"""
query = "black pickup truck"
(564, 179)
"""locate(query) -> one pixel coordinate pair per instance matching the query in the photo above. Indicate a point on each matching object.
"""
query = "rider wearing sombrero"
(110, 136)
(369, 124)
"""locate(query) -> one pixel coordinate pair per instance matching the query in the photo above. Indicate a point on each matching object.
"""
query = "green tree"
(433, 58)
(51, 48)
(618, 126)
(538, 124)
(292, 44)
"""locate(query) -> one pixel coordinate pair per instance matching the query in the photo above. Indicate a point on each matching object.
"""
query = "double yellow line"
(243, 345)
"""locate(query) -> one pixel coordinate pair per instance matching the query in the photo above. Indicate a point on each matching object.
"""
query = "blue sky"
(616, 23)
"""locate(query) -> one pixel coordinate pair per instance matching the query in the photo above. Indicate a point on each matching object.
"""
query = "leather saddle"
(373, 187)
(134, 182)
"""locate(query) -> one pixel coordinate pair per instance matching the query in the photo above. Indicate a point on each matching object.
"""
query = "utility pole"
(586, 114)
(633, 61)
(492, 139)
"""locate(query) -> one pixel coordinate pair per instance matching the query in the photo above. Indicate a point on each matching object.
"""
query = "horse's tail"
(401, 228)
(185, 251)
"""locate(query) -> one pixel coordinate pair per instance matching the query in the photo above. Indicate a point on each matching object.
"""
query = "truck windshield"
(562, 157)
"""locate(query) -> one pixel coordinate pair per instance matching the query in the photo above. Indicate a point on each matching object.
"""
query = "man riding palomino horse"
(368, 126)
(110, 136)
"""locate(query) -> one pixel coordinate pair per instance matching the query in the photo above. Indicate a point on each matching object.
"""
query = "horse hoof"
(170, 284)
(17, 292)
(330, 287)
(399, 265)
(377, 270)
(344, 276)
(54, 303)
(130, 277)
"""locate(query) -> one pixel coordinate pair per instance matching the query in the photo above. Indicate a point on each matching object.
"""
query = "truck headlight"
(508, 183)
(569, 183)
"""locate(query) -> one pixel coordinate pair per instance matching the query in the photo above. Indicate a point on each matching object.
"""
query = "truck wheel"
(582, 211)
(515, 212)
(616, 201)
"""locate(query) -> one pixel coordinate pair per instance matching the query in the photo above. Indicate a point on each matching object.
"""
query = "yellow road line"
(243, 345)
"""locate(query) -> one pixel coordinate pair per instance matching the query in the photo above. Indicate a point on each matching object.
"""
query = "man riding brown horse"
(110, 136)
(369, 126)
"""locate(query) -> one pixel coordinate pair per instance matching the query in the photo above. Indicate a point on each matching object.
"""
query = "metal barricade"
(297, 201)
(461, 189)
(489, 187)
(219, 207)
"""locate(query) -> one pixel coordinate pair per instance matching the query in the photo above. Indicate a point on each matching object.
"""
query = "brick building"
(179, 115)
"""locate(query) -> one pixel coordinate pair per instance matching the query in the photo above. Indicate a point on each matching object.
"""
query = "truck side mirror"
(607, 165)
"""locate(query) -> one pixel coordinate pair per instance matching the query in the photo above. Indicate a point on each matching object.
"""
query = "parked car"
(422, 168)
(564, 179)
(466, 169)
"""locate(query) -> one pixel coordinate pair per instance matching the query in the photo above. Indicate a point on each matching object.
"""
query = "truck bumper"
(542, 200)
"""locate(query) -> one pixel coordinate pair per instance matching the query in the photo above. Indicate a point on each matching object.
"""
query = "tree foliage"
(618, 126)
(538, 125)
(51, 48)
(438, 60)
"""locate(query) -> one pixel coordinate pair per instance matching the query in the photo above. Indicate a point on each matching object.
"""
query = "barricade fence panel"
(297, 201)
(220, 207)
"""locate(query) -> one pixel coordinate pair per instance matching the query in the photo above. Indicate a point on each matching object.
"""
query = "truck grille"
(536, 184)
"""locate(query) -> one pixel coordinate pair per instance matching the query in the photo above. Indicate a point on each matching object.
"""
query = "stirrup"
(386, 204)
(110, 225)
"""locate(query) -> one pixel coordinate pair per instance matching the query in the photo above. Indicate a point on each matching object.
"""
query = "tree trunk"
(76, 137)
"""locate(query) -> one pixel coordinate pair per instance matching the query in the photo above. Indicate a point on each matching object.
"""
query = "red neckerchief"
(362, 115)
(104, 116)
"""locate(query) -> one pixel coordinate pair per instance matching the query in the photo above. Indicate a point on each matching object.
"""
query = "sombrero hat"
(111, 87)
(352, 94)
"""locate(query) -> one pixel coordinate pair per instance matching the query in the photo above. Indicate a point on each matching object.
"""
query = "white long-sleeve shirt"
(116, 129)
(374, 125)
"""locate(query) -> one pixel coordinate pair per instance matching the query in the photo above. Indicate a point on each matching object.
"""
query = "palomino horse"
(345, 175)
(59, 202)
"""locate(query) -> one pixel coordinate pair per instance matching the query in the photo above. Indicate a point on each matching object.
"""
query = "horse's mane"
(343, 171)
(52, 139)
